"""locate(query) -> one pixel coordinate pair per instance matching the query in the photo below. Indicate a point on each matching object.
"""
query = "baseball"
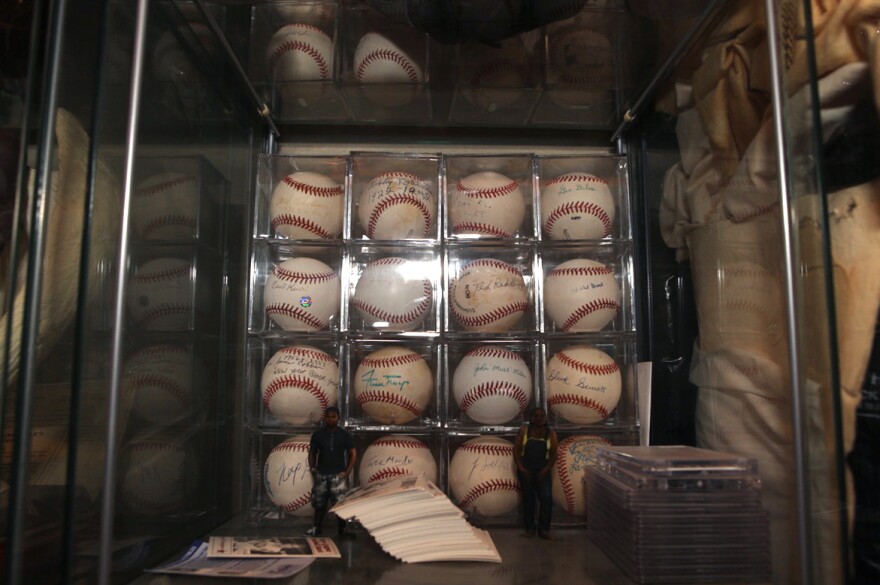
(581, 66)
(160, 294)
(574, 455)
(159, 381)
(302, 294)
(300, 52)
(299, 383)
(482, 477)
(577, 206)
(492, 385)
(391, 295)
(307, 206)
(581, 295)
(488, 296)
(158, 475)
(394, 455)
(494, 78)
(486, 204)
(397, 206)
(296, 13)
(380, 61)
(164, 207)
(583, 384)
(393, 385)
(286, 476)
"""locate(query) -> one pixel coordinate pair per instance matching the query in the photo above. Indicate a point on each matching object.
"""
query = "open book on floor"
(271, 547)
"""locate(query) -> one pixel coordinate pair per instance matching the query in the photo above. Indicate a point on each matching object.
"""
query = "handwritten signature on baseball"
(396, 381)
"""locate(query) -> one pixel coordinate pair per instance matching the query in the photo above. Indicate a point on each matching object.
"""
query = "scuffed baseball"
(165, 206)
(581, 295)
(482, 477)
(577, 206)
(286, 476)
(575, 455)
(581, 64)
(159, 382)
(299, 383)
(307, 206)
(495, 77)
(486, 204)
(492, 385)
(158, 475)
(393, 385)
(391, 294)
(302, 294)
(160, 294)
(394, 455)
(488, 295)
(389, 73)
(397, 206)
(300, 52)
(583, 384)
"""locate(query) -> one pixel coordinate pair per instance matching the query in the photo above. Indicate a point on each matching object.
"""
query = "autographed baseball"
(486, 204)
(393, 294)
(286, 476)
(583, 384)
(159, 380)
(581, 295)
(160, 294)
(482, 477)
(495, 77)
(299, 383)
(488, 296)
(492, 385)
(397, 206)
(307, 206)
(577, 206)
(159, 475)
(574, 455)
(302, 294)
(394, 455)
(581, 62)
(300, 52)
(393, 69)
(164, 207)
(393, 385)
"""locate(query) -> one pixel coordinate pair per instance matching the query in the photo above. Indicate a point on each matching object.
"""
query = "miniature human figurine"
(331, 458)
(535, 454)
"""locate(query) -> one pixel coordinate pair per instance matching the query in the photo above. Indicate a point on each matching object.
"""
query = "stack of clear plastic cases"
(535, 78)
(439, 255)
(679, 515)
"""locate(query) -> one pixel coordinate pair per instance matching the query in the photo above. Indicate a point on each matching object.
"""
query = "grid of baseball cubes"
(436, 300)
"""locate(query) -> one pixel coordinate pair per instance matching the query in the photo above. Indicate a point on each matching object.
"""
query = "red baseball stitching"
(386, 54)
(491, 316)
(581, 271)
(387, 262)
(301, 222)
(488, 389)
(388, 398)
(494, 352)
(164, 310)
(586, 309)
(310, 353)
(480, 228)
(298, 382)
(309, 277)
(566, 76)
(578, 207)
(313, 189)
(159, 350)
(493, 264)
(487, 449)
(156, 446)
(747, 307)
(178, 220)
(576, 178)
(486, 487)
(388, 472)
(401, 174)
(562, 469)
(159, 187)
(754, 212)
(402, 443)
(599, 370)
(486, 192)
(405, 199)
(577, 400)
(292, 446)
(163, 384)
(297, 313)
(387, 362)
(381, 314)
(299, 45)
(167, 274)
(297, 503)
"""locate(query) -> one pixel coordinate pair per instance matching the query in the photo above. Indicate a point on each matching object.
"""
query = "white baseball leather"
(393, 385)
(488, 295)
(486, 204)
(492, 385)
(482, 477)
(300, 52)
(394, 455)
(583, 384)
(307, 206)
(299, 383)
(286, 476)
(577, 206)
(164, 207)
(302, 294)
(575, 455)
(160, 294)
(397, 206)
(581, 295)
(391, 295)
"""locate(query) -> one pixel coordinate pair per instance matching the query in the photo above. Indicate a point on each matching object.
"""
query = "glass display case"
(226, 216)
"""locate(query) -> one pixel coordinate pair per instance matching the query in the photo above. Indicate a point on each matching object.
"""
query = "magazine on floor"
(239, 547)
(195, 561)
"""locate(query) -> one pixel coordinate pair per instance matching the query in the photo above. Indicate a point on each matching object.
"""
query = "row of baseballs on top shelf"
(481, 472)
(490, 385)
(402, 205)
